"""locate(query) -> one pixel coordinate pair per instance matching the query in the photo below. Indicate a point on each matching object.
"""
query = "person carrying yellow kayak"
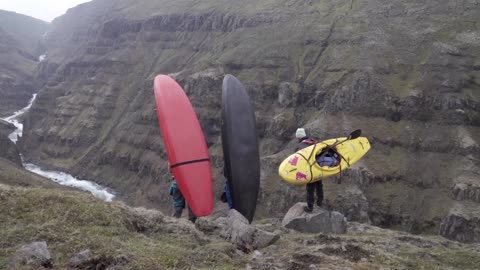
(303, 142)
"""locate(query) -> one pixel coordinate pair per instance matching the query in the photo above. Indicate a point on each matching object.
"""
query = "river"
(61, 178)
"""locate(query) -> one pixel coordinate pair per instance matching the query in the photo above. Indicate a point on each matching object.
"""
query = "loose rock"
(320, 220)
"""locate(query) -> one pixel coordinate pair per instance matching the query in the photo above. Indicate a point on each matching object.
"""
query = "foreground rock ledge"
(35, 254)
(246, 237)
(319, 221)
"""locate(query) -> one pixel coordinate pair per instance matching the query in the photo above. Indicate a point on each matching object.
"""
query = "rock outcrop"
(85, 260)
(319, 221)
(6, 128)
(80, 259)
(461, 228)
(246, 237)
(462, 191)
(9, 151)
(35, 255)
(462, 223)
(410, 82)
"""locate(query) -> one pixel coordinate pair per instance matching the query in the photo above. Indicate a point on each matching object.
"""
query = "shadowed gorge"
(407, 73)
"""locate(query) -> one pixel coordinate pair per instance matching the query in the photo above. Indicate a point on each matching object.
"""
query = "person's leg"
(310, 197)
(177, 211)
(223, 198)
(319, 188)
(191, 216)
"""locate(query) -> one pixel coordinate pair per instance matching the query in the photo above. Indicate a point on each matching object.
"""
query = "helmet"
(300, 133)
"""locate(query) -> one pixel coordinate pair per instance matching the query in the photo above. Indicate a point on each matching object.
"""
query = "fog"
(45, 10)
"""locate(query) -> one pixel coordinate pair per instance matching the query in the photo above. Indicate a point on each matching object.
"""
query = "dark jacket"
(178, 200)
(228, 195)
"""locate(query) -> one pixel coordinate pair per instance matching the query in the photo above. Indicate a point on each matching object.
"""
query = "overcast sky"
(46, 10)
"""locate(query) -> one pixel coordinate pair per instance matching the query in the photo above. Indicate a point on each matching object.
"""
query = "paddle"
(353, 135)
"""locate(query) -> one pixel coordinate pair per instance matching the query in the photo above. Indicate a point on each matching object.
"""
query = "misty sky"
(45, 10)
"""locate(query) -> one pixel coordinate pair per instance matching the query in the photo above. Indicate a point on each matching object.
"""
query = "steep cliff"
(407, 73)
(19, 51)
(11, 169)
(8, 150)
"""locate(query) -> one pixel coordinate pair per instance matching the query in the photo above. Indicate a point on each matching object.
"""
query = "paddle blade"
(355, 134)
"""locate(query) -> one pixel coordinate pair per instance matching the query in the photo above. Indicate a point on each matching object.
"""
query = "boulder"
(9, 151)
(464, 191)
(6, 128)
(460, 228)
(352, 202)
(246, 237)
(207, 226)
(35, 255)
(285, 94)
(80, 258)
(319, 221)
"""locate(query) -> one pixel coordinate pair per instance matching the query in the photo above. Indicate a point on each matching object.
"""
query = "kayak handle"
(189, 162)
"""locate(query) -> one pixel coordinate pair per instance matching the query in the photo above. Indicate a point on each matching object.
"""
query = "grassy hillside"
(71, 222)
(128, 238)
(13, 175)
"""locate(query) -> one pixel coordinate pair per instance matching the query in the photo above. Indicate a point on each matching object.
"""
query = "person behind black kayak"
(303, 142)
(226, 195)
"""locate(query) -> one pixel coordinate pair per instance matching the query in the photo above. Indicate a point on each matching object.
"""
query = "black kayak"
(240, 147)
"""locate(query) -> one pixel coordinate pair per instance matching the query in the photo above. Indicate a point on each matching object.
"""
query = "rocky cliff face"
(8, 150)
(19, 50)
(407, 73)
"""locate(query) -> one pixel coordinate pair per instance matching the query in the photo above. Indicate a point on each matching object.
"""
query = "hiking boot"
(319, 203)
(307, 209)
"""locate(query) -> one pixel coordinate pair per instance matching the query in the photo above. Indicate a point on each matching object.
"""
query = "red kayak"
(185, 145)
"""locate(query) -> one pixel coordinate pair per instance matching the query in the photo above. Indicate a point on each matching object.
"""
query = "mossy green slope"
(132, 238)
(72, 221)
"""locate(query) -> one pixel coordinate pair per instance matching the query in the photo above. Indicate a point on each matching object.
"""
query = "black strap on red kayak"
(189, 162)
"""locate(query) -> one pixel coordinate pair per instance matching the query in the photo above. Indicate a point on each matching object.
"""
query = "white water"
(42, 58)
(68, 180)
(12, 119)
(59, 177)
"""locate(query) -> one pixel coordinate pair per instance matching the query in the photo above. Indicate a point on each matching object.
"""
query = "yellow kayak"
(318, 161)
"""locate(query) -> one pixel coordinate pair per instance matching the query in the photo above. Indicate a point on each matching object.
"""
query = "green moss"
(402, 83)
(392, 160)
(460, 259)
(333, 78)
(415, 259)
